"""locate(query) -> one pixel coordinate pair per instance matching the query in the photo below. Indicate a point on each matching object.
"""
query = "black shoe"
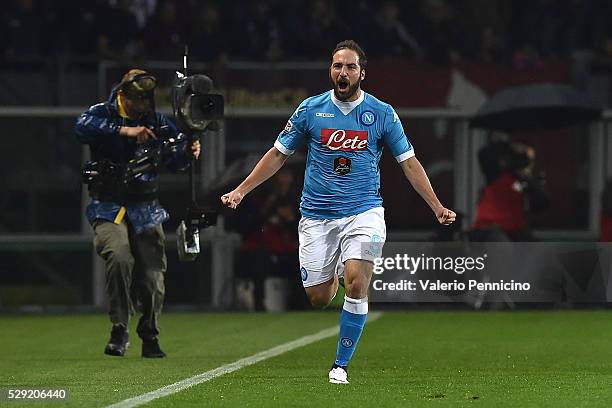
(119, 341)
(150, 349)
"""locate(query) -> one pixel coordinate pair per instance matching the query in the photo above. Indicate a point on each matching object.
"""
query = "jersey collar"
(346, 107)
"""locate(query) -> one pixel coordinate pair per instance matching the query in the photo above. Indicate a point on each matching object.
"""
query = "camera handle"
(188, 231)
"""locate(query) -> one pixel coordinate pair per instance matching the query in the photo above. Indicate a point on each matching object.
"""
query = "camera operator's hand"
(195, 149)
(140, 133)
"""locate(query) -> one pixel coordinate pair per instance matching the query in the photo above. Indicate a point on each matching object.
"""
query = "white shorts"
(326, 244)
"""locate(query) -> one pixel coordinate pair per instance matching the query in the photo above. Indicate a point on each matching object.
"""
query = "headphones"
(139, 87)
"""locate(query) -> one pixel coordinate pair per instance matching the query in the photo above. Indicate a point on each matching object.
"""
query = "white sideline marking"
(231, 367)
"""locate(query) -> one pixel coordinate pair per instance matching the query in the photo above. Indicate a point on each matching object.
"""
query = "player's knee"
(319, 300)
(357, 288)
(321, 296)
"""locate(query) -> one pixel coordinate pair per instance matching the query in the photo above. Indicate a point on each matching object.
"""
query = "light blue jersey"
(345, 143)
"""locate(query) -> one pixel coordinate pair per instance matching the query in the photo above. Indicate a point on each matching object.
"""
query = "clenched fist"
(445, 216)
(232, 199)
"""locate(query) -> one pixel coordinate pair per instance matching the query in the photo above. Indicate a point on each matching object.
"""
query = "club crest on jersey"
(344, 140)
(368, 118)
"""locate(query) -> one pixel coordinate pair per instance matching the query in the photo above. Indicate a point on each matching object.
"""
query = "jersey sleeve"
(294, 133)
(395, 138)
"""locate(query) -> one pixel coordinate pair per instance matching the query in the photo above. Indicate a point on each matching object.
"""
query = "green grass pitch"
(428, 359)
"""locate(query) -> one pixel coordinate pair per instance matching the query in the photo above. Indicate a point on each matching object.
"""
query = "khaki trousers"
(135, 268)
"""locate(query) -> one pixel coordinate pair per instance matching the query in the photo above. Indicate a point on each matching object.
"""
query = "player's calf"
(357, 287)
(353, 317)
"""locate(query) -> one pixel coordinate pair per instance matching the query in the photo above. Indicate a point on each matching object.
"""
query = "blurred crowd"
(268, 221)
(518, 32)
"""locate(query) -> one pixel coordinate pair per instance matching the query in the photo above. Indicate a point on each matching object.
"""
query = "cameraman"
(125, 212)
(513, 191)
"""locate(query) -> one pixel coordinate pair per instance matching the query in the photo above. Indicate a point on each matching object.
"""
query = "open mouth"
(343, 84)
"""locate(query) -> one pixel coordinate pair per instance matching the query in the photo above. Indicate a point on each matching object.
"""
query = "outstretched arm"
(415, 173)
(267, 166)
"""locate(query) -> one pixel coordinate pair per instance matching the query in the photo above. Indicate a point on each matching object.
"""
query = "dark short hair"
(352, 45)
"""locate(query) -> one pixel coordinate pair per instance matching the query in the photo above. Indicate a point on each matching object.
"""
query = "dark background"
(265, 57)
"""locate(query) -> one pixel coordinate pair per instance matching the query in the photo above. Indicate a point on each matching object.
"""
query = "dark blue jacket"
(99, 128)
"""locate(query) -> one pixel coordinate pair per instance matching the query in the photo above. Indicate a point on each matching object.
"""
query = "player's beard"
(348, 93)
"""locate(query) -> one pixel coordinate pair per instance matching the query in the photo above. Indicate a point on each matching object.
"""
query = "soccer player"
(342, 228)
